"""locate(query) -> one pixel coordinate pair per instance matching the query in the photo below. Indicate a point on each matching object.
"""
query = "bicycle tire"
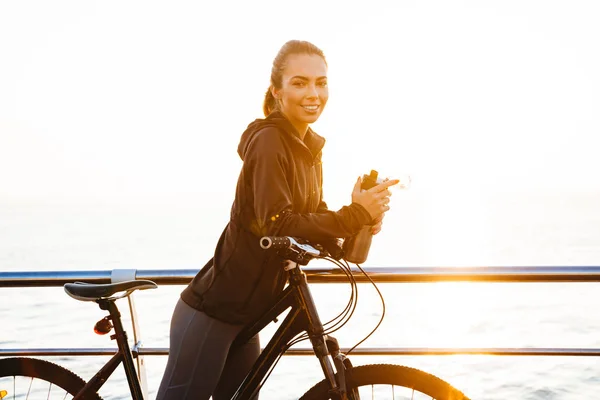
(390, 375)
(42, 370)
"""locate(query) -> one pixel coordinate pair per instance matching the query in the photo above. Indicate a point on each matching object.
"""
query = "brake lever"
(301, 253)
(307, 248)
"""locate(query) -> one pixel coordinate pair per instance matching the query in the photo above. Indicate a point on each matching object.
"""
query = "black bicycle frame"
(123, 355)
(303, 317)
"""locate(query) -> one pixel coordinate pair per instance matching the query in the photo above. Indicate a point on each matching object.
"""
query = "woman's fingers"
(376, 199)
(384, 185)
(383, 193)
(375, 229)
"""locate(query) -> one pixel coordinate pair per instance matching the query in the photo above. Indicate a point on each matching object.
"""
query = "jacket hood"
(313, 143)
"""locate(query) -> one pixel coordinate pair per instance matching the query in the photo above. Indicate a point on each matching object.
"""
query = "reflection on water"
(425, 231)
(418, 315)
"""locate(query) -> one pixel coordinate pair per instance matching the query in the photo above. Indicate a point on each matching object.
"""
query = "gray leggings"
(200, 362)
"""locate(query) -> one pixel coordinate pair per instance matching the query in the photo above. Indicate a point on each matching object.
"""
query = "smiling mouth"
(311, 108)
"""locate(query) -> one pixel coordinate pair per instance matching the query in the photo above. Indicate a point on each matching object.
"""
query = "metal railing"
(319, 275)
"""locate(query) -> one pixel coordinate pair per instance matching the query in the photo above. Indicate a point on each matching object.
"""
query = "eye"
(322, 83)
(299, 83)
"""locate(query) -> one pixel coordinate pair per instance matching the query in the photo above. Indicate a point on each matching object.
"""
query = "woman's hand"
(376, 228)
(374, 200)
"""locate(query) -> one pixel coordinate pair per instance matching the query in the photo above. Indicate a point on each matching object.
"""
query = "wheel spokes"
(30, 388)
(397, 392)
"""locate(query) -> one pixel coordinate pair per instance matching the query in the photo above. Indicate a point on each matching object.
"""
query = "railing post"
(121, 275)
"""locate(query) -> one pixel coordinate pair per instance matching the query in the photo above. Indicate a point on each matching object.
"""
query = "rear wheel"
(30, 378)
(382, 381)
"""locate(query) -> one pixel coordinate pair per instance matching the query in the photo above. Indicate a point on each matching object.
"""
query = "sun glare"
(458, 307)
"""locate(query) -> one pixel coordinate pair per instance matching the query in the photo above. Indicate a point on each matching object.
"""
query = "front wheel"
(382, 381)
(30, 378)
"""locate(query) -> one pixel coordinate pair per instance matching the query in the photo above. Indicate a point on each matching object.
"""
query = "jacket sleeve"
(267, 162)
(322, 207)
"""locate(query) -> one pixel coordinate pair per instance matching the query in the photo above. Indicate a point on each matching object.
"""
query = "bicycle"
(342, 380)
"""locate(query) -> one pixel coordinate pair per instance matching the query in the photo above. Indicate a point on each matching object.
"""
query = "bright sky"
(105, 99)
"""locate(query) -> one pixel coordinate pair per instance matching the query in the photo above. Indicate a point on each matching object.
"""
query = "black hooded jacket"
(278, 194)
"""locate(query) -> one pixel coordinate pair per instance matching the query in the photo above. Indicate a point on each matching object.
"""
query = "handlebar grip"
(275, 242)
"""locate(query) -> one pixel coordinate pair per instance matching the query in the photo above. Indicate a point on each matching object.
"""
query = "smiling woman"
(279, 193)
(298, 84)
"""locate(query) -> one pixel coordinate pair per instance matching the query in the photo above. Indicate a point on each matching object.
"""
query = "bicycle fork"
(324, 345)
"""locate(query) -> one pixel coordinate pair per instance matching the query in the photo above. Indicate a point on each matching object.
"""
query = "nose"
(312, 92)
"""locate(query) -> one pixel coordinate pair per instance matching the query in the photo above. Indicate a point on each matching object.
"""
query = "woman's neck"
(301, 127)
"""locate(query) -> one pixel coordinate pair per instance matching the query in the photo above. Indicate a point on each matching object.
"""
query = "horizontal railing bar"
(328, 275)
(385, 351)
(441, 274)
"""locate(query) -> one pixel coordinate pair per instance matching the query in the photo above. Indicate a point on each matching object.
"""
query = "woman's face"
(303, 93)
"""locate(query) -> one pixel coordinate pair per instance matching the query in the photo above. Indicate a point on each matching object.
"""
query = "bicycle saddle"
(92, 292)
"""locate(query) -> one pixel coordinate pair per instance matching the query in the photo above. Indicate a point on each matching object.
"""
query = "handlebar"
(291, 248)
(275, 242)
(288, 242)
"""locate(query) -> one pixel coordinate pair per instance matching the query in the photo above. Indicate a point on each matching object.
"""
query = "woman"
(278, 193)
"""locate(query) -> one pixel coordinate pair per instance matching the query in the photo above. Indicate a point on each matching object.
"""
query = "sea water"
(474, 229)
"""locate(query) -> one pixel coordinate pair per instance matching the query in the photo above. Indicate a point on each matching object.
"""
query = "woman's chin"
(309, 119)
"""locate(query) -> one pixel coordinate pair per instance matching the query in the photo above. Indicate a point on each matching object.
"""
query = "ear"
(275, 92)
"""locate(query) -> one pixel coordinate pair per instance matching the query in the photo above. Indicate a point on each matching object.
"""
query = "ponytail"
(270, 103)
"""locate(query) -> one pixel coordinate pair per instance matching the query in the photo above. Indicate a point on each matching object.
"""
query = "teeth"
(311, 108)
